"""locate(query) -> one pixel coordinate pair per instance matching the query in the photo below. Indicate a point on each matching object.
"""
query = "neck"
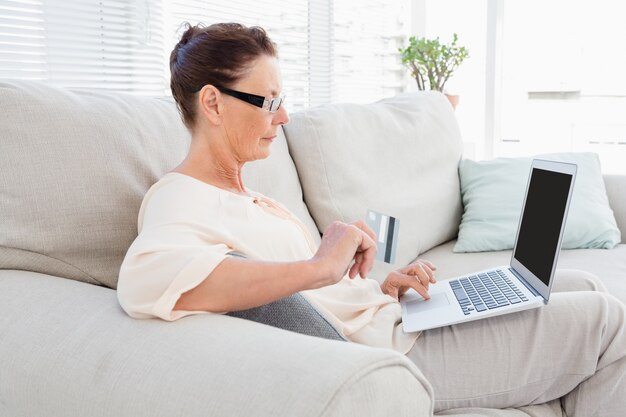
(212, 162)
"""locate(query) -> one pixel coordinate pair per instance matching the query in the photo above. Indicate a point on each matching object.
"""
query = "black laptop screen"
(540, 228)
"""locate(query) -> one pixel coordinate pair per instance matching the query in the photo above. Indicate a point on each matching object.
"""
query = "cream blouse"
(187, 227)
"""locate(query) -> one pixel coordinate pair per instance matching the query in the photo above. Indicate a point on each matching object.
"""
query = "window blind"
(91, 44)
(321, 51)
(287, 26)
(327, 51)
(367, 65)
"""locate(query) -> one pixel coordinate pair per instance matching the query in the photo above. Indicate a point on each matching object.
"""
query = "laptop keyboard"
(485, 291)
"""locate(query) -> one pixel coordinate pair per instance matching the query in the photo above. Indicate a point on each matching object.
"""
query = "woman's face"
(250, 130)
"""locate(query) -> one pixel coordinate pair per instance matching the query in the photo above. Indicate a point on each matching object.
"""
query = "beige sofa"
(75, 166)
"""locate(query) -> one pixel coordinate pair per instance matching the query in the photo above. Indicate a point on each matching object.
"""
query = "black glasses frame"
(271, 104)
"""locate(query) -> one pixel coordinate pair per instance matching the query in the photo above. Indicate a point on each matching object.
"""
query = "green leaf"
(432, 60)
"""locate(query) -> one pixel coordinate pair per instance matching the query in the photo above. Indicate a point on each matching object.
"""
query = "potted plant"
(432, 63)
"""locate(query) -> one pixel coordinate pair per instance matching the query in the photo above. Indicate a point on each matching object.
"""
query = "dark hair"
(219, 54)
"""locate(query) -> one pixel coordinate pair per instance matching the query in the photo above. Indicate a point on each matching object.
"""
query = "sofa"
(75, 166)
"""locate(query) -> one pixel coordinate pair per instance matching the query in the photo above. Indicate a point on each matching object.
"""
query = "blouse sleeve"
(179, 244)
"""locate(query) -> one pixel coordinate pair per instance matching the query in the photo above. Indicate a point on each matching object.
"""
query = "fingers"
(365, 254)
(397, 284)
(365, 228)
(358, 263)
(391, 290)
(417, 275)
(352, 245)
(345, 249)
(354, 269)
(417, 285)
(422, 274)
(428, 263)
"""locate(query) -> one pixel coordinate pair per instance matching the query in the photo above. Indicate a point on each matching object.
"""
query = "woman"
(226, 82)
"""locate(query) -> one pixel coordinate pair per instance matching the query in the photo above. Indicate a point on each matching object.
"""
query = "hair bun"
(189, 32)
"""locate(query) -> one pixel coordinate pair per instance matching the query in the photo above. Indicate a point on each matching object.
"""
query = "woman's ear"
(210, 104)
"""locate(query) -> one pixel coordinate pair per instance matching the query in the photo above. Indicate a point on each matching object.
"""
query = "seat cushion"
(608, 264)
(551, 409)
(68, 349)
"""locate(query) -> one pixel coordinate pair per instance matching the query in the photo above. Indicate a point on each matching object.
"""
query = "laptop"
(523, 284)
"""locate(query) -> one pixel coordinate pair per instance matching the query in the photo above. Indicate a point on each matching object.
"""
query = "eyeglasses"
(271, 104)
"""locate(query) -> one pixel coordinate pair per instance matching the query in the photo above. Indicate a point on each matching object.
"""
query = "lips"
(270, 138)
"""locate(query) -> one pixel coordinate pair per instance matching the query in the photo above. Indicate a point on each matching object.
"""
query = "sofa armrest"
(68, 349)
(616, 191)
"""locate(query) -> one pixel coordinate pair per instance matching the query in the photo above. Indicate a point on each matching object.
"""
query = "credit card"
(386, 228)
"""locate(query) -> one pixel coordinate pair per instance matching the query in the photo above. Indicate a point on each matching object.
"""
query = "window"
(542, 76)
(469, 21)
(366, 64)
(83, 44)
(327, 52)
(562, 82)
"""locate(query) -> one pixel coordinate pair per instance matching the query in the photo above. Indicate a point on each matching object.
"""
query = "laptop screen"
(540, 228)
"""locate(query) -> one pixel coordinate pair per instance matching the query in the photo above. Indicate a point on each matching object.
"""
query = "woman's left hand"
(417, 275)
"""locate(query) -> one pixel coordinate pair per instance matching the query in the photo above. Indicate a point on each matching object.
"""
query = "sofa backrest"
(76, 165)
(616, 193)
(75, 168)
(398, 156)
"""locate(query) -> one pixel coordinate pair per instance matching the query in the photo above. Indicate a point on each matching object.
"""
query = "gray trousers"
(574, 349)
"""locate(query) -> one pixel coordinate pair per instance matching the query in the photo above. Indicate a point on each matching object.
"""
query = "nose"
(281, 117)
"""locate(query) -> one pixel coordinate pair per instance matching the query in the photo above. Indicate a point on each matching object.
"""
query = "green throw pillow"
(493, 193)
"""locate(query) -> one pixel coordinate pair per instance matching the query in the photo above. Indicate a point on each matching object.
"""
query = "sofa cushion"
(616, 192)
(75, 168)
(550, 409)
(68, 349)
(398, 156)
(76, 165)
(493, 194)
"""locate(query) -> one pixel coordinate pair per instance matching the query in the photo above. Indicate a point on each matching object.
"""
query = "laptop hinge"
(526, 284)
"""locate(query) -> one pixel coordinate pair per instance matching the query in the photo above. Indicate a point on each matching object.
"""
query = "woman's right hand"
(341, 244)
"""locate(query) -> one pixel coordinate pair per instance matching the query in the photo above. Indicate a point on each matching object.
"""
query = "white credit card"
(386, 228)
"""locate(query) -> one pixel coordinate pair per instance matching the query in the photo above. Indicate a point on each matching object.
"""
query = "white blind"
(367, 65)
(329, 49)
(91, 44)
(321, 51)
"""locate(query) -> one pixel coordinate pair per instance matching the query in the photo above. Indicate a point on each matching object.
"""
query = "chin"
(262, 154)
(263, 151)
